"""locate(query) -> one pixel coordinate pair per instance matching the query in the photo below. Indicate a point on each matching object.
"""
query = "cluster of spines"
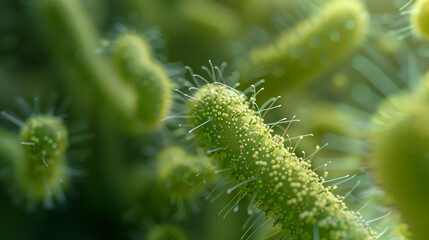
(284, 186)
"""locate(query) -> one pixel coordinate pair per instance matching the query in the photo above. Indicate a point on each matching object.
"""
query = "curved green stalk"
(133, 60)
(286, 188)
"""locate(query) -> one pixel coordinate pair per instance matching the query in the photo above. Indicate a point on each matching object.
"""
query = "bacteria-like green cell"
(133, 59)
(181, 172)
(41, 172)
(284, 186)
(420, 18)
(314, 45)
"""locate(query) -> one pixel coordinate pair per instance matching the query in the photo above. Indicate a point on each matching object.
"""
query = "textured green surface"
(285, 186)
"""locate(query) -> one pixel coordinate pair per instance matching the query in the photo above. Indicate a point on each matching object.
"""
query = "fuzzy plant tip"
(41, 174)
